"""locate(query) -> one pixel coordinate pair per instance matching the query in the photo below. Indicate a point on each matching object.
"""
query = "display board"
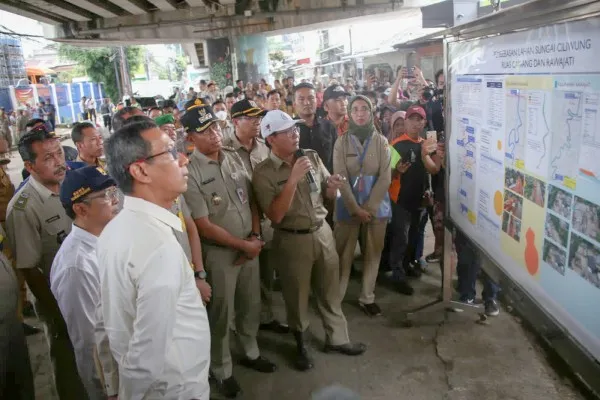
(524, 154)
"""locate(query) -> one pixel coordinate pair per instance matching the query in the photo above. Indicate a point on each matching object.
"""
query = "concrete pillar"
(252, 53)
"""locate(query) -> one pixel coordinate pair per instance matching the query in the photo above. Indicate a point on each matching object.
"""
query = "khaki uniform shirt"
(220, 190)
(251, 159)
(36, 225)
(182, 211)
(8, 286)
(7, 191)
(376, 162)
(228, 130)
(307, 209)
(99, 162)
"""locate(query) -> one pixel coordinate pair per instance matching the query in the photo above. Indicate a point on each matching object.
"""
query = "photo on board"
(513, 204)
(511, 226)
(535, 190)
(584, 258)
(557, 230)
(586, 218)
(555, 257)
(514, 180)
(560, 201)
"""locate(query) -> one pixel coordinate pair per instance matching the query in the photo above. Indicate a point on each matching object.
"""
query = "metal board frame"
(524, 17)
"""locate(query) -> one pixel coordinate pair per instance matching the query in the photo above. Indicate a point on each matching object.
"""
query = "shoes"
(404, 287)
(349, 349)
(303, 360)
(229, 387)
(372, 310)
(491, 308)
(466, 300)
(259, 364)
(433, 258)
(275, 326)
(28, 310)
(414, 270)
(30, 330)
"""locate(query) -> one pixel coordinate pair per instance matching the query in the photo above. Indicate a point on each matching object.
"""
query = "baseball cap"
(246, 108)
(412, 110)
(276, 121)
(83, 181)
(198, 116)
(334, 91)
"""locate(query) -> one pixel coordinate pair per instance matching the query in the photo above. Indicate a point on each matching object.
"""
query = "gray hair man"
(157, 325)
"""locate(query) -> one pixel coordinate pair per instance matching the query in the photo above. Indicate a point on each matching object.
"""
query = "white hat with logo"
(277, 121)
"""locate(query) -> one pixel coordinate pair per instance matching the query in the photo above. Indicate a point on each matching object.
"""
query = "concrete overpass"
(126, 22)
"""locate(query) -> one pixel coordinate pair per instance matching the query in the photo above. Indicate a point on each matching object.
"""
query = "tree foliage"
(97, 65)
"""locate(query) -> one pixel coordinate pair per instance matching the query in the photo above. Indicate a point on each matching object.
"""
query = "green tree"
(181, 63)
(97, 65)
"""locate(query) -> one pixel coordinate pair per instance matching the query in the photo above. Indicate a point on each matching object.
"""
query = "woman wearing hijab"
(396, 125)
(362, 156)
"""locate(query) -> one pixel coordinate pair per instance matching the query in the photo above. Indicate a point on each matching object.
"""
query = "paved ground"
(445, 357)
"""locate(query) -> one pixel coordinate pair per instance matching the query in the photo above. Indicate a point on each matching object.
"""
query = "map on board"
(524, 156)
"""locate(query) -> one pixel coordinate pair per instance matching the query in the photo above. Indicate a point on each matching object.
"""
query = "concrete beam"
(28, 11)
(163, 5)
(64, 8)
(263, 23)
(135, 7)
(103, 8)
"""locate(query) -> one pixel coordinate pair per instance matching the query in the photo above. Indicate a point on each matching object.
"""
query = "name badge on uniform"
(242, 195)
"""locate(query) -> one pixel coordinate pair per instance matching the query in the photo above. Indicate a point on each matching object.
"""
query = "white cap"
(276, 121)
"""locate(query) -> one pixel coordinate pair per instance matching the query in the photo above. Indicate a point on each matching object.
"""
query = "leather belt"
(312, 229)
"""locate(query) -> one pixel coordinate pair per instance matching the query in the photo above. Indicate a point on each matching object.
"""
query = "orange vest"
(394, 189)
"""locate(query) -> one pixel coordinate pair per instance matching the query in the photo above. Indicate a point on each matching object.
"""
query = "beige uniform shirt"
(220, 190)
(8, 286)
(228, 130)
(376, 162)
(36, 225)
(99, 162)
(182, 211)
(307, 209)
(251, 159)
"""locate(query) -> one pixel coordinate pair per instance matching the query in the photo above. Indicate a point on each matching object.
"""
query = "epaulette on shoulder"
(228, 148)
(22, 200)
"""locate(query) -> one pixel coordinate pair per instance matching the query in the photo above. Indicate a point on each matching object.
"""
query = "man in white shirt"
(156, 323)
(91, 109)
(90, 198)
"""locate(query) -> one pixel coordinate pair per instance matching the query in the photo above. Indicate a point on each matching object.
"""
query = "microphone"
(312, 183)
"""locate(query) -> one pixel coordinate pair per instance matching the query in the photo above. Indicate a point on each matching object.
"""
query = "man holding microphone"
(290, 187)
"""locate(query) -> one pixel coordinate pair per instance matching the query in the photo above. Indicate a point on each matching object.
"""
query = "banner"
(44, 93)
(524, 168)
(24, 96)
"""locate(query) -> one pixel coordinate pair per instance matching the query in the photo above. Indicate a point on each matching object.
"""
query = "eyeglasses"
(173, 151)
(288, 132)
(109, 195)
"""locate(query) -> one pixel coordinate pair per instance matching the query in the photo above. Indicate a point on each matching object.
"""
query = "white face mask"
(222, 115)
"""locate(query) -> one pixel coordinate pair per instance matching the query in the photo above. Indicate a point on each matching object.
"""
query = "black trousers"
(16, 378)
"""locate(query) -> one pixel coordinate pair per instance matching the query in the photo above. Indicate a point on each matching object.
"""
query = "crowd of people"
(155, 244)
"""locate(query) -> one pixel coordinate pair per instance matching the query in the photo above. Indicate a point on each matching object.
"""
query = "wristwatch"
(200, 275)
(256, 235)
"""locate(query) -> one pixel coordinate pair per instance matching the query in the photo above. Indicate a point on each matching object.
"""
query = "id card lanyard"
(359, 184)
